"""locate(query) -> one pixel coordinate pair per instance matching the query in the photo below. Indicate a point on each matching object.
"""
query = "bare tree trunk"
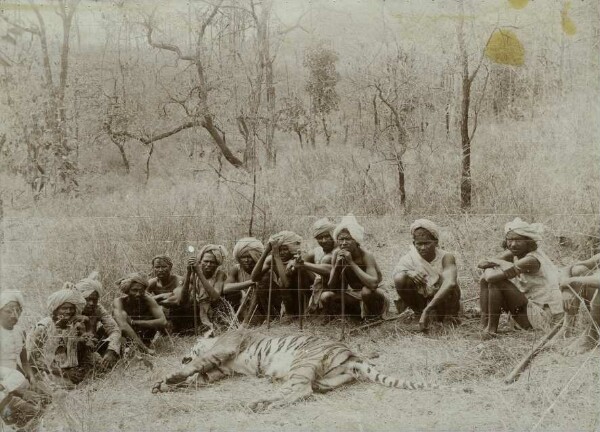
(325, 130)
(465, 172)
(401, 180)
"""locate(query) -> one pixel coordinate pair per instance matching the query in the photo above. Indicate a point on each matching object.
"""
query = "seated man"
(21, 397)
(522, 281)
(247, 252)
(102, 325)
(318, 261)
(207, 281)
(582, 281)
(426, 278)
(137, 314)
(355, 274)
(282, 254)
(60, 346)
(165, 287)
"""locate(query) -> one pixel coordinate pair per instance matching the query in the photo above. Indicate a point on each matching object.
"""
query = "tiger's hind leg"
(297, 387)
(329, 383)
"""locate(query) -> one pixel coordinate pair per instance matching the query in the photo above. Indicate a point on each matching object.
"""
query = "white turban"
(427, 225)
(289, 239)
(322, 226)
(248, 245)
(218, 251)
(8, 296)
(66, 295)
(518, 226)
(350, 224)
(90, 284)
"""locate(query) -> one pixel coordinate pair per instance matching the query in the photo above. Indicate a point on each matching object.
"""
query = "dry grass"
(543, 170)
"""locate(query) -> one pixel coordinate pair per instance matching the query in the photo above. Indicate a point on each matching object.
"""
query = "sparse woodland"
(135, 128)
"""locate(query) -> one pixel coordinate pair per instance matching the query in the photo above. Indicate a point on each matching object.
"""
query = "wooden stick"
(269, 297)
(194, 302)
(343, 293)
(299, 298)
(378, 322)
(522, 365)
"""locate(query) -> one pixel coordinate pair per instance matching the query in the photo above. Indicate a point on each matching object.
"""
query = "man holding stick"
(354, 274)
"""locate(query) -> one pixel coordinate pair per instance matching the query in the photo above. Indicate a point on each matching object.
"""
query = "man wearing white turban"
(358, 270)
(426, 277)
(283, 255)
(137, 313)
(318, 261)
(60, 345)
(18, 403)
(209, 281)
(582, 281)
(522, 281)
(102, 325)
(247, 251)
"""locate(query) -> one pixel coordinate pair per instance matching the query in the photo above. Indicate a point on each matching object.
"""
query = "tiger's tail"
(365, 371)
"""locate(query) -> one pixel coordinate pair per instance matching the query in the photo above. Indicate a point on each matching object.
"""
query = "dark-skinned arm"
(213, 294)
(449, 280)
(505, 256)
(158, 322)
(527, 264)
(232, 285)
(336, 271)
(369, 277)
(259, 268)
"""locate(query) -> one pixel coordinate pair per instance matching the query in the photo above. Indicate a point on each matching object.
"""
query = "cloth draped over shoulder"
(68, 294)
(248, 245)
(7, 296)
(322, 226)
(425, 224)
(350, 224)
(531, 230)
(289, 239)
(413, 261)
(89, 284)
(52, 346)
(125, 283)
(218, 251)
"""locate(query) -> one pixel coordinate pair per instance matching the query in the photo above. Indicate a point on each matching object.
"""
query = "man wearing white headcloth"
(318, 260)
(209, 283)
(102, 325)
(522, 281)
(19, 404)
(282, 254)
(60, 345)
(247, 251)
(426, 277)
(354, 274)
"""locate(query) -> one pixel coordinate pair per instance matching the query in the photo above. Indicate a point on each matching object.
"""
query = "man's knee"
(403, 282)
(579, 270)
(327, 297)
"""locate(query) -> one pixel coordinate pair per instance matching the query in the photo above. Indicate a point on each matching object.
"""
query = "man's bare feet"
(583, 343)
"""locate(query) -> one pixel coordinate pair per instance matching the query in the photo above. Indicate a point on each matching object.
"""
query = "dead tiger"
(308, 363)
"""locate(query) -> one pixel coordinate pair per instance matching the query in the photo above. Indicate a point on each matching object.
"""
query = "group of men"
(276, 280)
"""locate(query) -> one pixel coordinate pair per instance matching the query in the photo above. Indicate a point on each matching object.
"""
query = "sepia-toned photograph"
(299, 215)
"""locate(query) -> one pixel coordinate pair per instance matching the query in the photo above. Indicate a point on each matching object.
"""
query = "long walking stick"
(299, 298)
(194, 301)
(269, 296)
(520, 367)
(343, 300)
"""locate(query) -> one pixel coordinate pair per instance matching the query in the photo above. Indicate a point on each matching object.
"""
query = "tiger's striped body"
(307, 363)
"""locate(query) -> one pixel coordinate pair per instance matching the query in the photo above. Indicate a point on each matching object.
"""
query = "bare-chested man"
(318, 261)
(282, 254)
(137, 313)
(165, 287)
(247, 252)
(583, 280)
(355, 273)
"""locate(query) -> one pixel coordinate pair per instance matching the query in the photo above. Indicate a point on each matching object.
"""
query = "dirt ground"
(555, 393)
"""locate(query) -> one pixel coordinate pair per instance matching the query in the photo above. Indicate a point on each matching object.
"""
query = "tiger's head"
(202, 345)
